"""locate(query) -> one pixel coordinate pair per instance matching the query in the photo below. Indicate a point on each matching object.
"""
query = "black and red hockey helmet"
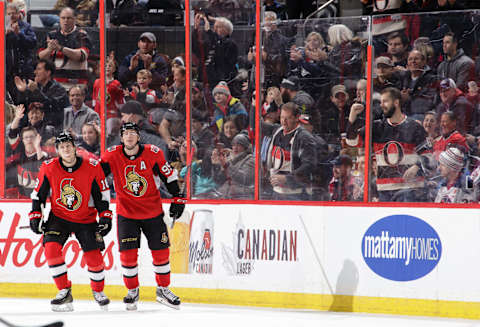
(129, 125)
(64, 137)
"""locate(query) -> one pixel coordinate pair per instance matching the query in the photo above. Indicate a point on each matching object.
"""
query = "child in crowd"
(114, 96)
(451, 190)
(142, 91)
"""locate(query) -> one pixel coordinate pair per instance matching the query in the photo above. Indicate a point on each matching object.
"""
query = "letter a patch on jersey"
(70, 198)
(143, 166)
(136, 184)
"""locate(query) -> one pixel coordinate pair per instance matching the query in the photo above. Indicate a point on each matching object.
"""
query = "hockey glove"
(105, 222)
(35, 222)
(176, 208)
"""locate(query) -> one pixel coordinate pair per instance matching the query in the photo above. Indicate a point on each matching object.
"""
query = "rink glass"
(171, 42)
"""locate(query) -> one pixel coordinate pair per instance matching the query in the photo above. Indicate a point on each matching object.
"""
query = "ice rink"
(36, 312)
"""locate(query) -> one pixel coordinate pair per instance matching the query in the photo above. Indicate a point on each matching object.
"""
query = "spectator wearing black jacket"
(334, 117)
(45, 90)
(291, 157)
(145, 57)
(419, 87)
(398, 44)
(274, 52)
(387, 76)
(20, 46)
(36, 120)
(216, 51)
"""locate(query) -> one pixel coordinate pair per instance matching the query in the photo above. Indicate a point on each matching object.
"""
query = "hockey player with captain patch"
(78, 190)
(137, 170)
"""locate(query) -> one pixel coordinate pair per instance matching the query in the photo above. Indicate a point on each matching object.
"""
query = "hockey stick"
(316, 255)
(42, 222)
(184, 186)
(53, 324)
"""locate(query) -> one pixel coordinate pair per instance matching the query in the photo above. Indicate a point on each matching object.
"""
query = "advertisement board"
(326, 258)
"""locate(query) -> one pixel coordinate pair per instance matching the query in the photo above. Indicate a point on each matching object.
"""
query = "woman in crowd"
(234, 170)
(347, 52)
(229, 130)
(431, 126)
(90, 139)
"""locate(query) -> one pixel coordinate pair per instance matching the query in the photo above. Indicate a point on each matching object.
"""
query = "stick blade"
(54, 324)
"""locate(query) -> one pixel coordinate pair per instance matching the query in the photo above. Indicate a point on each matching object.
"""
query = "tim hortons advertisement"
(22, 253)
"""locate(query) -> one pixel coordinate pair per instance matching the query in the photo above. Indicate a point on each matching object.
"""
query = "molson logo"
(401, 248)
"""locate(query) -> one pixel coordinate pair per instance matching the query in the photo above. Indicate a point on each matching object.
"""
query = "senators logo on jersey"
(136, 184)
(70, 198)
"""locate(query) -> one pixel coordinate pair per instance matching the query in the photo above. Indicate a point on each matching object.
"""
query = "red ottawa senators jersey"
(137, 179)
(75, 191)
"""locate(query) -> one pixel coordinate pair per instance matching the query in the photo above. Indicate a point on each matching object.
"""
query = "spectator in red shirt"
(450, 136)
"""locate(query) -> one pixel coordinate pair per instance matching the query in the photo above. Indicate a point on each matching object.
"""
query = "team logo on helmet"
(136, 184)
(70, 198)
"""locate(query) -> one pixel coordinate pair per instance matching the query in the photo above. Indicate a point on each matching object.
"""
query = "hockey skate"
(131, 299)
(165, 296)
(63, 302)
(102, 300)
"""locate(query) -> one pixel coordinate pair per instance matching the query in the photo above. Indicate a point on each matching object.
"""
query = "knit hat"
(242, 139)
(179, 60)
(452, 158)
(221, 87)
(447, 83)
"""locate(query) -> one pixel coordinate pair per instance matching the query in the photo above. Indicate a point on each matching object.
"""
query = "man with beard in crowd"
(291, 92)
(396, 140)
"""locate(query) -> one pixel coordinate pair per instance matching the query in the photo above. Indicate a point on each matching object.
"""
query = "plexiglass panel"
(314, 70)
(223, 88)
(52, 62)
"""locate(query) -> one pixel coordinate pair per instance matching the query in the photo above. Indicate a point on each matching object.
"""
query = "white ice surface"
(36, 312)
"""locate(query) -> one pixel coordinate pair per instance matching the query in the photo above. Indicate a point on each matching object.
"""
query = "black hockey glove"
(176, 208)
(35, 222)
(104, 223)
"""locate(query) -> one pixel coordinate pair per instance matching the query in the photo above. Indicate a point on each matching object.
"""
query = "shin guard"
(161, 266)
(56, 263)
(128, 258)
(95, 265)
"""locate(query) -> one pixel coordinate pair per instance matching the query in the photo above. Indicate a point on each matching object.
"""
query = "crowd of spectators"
(312, 100)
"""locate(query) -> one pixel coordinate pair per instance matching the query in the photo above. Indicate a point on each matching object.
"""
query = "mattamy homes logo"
(401, 248)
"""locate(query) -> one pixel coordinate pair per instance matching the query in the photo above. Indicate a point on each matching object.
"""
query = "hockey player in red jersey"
(137, 169)
(76, 188)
